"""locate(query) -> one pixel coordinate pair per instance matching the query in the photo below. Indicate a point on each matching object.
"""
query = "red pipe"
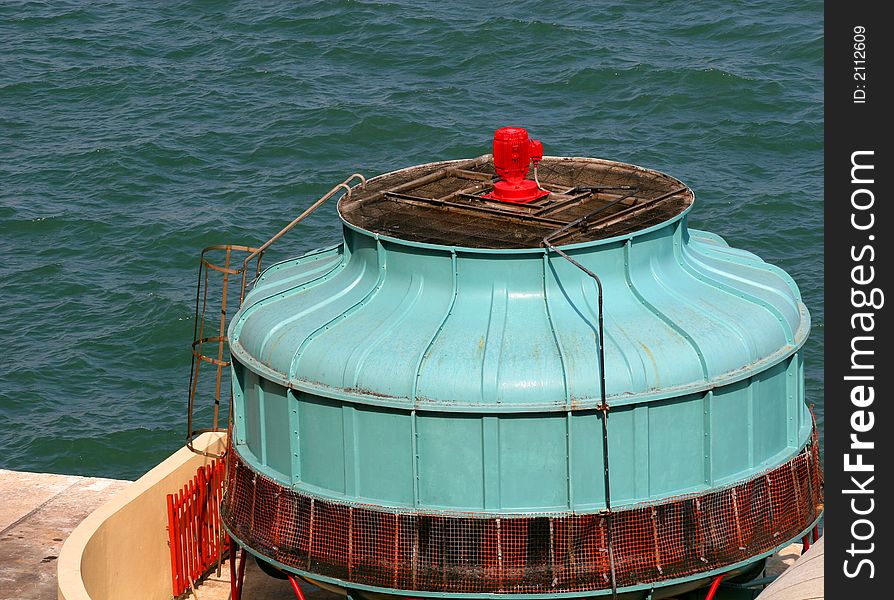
(241, 575)
(816, 535)
(714, 586)
(232, 544)
(805, 541)
(296, 588)
(237, 576)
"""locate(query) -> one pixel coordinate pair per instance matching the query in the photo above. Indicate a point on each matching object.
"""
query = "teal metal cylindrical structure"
(417, 417)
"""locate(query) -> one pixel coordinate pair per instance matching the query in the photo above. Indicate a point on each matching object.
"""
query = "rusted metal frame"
(735, 498)
(584, 220)
(204, 358)
(396, 548)
(579, 194)
(310, 535)
(254, 254)
(562, 203)
(810, 475)
(797, 489)
(499, 554)
(472, 208)
(197, 334)
(414, 558)
(611, 219)
(221, 344)
(603, 407)
(508, 208)
(199, 339)
(656, 541)
(432, 177)
(473, 175)
(770, 510)
(552, 551)
(464, 192)
(350, 540)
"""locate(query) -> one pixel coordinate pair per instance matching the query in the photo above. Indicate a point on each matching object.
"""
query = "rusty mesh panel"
(474, 553)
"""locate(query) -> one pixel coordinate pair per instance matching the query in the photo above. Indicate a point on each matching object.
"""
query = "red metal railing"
(195, 533)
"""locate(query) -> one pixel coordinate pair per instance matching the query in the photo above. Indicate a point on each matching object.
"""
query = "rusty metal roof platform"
(443, 203)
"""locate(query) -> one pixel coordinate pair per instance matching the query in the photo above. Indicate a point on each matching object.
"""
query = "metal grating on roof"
(443, 203)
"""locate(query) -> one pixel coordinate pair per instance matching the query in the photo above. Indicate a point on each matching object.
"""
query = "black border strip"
(858, 262)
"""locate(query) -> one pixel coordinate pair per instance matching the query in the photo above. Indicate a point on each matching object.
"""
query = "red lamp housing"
(513, 154)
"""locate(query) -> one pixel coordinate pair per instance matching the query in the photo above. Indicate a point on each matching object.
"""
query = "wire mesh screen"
(511, 553)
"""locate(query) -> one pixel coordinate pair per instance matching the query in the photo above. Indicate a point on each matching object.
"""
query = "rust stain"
(367, 392)
(654, 364)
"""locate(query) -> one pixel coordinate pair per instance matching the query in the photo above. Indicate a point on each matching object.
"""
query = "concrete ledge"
(37, 512)
(121, 549)
(805, 580)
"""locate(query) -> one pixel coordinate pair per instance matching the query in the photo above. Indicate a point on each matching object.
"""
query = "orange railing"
(196, 535)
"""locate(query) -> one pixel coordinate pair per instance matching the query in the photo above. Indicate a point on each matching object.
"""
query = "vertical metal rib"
(434, 336)
(663, 317)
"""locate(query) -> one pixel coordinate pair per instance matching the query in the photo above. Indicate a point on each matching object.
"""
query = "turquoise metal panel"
(532, 462)
(571, 302)
(294, 273)
(491, 462)
(252, 414)
(360, 350)
(551, 461)
(676, 451)
(349, 445)
(498, 336)
(642, 479)
(730, 438)
(278, 435)
(451, 461)
(295, 442)
(683, 314)
(586, 448)
(384, 452)
(771, 434)
(239, 374)
(622, 442)
(744, 268)
(322, 449)
(276, 327)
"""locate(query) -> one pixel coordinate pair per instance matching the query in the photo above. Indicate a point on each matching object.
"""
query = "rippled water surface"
(133, 134)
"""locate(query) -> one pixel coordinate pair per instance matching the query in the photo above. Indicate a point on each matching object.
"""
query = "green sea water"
(132, 134)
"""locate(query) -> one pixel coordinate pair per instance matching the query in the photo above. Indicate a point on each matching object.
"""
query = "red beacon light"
(513, 155)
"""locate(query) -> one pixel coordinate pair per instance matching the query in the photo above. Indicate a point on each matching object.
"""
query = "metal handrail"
(259, 253)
